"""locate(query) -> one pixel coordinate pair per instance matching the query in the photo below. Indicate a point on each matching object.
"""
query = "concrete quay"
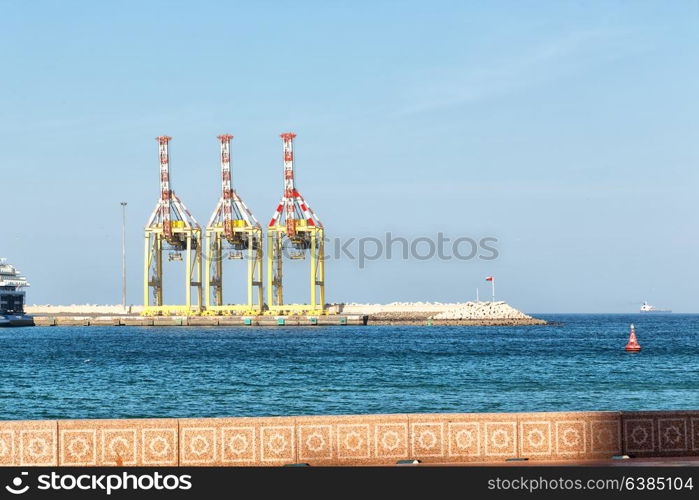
(320, 320)
(395, 313)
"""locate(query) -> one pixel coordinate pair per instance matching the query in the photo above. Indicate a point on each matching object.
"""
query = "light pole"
(123, 255)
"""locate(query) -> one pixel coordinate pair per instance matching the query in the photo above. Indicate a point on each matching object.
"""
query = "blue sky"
(567, 130)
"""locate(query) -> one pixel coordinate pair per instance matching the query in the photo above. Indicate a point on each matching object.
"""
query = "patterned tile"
(427, 439)
(567, 435)
(131, 442)
(605, 437)
(78, 447)
(198, 445)
(464, 440)
(672, 434)
(37, 447)
(695, 433)
(660, 433)
(464, 437)
(237, 441)
(119, 446)
(571, 437)
(28, 443)
(7, 447)
(360, 439)
(159, 446)
(500, 439)
(639, 434)
(391, 440)
(277, 443)
(315, 441)
(353, 441)
(238, 444)
(535, 438)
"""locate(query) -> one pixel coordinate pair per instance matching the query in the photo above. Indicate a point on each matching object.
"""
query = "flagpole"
(492, 282)
(477, 298)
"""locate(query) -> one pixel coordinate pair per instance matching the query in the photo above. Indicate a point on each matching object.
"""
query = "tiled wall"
(661, 433)
(360, 439)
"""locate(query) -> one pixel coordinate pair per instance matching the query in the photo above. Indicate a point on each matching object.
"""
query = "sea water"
(122, 372)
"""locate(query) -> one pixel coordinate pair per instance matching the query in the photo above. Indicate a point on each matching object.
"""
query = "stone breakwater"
(483, 310)
(350, 439)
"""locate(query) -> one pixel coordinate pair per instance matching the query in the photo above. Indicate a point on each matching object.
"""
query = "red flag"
(489, 278)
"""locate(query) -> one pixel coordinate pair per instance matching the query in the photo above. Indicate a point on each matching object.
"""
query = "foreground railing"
(350, 440)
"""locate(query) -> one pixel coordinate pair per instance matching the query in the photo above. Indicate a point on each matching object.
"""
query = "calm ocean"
(121, 372)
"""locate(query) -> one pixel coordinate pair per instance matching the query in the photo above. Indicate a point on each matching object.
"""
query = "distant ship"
(647, 308)
(12, 297)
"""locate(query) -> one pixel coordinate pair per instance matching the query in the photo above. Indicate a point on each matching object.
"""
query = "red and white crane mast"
(295, 220)
(170, 226)
(165, 192)
(232, 225)
(292, 203)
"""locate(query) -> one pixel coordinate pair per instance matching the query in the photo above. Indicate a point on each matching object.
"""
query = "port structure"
(294, 230)
(232, 233)
(173, 229)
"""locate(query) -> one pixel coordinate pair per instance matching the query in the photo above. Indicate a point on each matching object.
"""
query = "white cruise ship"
(12, 297)
(647, 308)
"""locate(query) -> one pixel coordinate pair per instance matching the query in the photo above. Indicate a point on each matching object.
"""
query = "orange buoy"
(633, 345)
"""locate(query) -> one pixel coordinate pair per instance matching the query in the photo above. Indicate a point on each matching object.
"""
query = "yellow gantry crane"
(171, 228)
(294, 223)
(232, 233)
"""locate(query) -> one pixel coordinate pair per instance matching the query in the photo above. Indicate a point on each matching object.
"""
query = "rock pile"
(482, 310)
